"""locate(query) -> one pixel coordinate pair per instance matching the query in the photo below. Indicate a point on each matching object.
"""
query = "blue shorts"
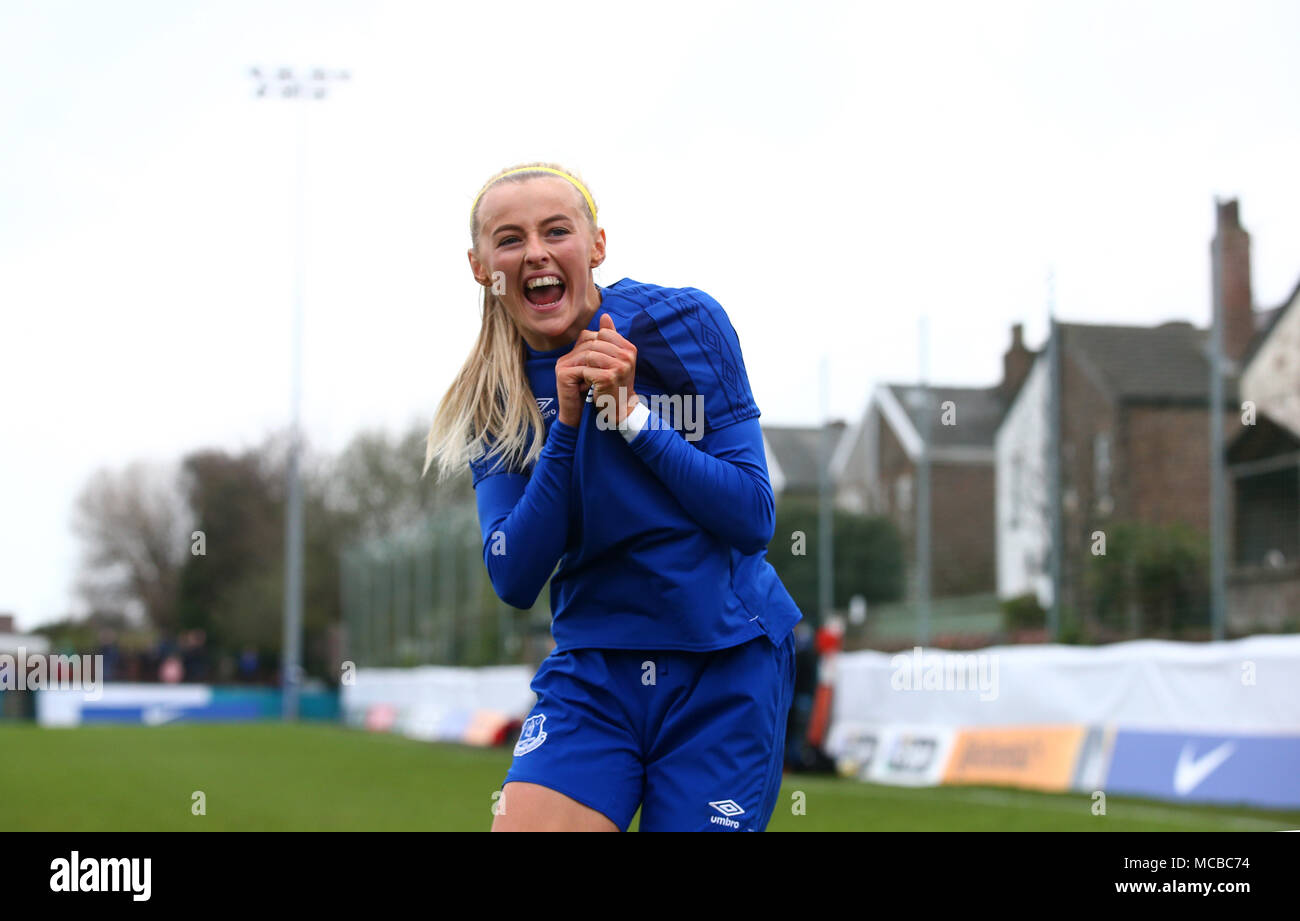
(696, 739)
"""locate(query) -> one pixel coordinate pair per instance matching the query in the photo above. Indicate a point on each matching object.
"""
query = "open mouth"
(544, 292)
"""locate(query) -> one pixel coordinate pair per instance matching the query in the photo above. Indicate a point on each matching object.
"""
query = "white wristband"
(634, 422)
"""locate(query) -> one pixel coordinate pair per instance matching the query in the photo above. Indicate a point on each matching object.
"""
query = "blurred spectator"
(248, 665)
(171, 671)
(112, 662)
(193, 651)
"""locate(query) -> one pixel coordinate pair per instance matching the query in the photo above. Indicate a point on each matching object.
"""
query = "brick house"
(875, 468)
(1135, 432)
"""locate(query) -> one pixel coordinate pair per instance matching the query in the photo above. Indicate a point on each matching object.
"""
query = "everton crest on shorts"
(531, 735)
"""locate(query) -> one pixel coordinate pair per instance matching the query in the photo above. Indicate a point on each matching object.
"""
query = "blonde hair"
(490, 407)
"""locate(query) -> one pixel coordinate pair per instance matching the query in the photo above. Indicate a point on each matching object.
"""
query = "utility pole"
(923, 489)
(301, 87)
(1218, 511)
(825, 512)
(1054, 478)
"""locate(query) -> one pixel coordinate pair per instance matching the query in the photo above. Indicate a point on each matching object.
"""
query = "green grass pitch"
(268, 777)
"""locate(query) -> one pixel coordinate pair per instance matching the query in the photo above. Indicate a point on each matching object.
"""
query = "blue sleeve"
(723, 484)
(525, 519)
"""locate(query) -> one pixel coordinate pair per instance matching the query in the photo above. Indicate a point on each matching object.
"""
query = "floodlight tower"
(286, 84)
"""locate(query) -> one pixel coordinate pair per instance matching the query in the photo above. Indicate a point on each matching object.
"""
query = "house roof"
(1268, 437)
(796, 451)
(1166, 363)
(1265, 320)
(977, 411)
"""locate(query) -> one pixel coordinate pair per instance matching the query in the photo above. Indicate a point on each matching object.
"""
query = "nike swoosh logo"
(1190, 771)
(156, 716)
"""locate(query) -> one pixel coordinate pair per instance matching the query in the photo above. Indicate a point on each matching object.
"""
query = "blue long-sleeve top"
(659, 531)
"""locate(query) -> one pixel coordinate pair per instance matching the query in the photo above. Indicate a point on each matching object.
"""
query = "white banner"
(438, 703)
(1247, 685)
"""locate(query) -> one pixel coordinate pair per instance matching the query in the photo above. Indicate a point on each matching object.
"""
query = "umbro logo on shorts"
(728, 808)
(531, 735)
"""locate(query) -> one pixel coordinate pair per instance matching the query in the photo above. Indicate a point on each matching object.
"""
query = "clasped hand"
(603, 362)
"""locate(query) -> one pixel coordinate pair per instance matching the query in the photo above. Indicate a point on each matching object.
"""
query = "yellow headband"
(537, 169)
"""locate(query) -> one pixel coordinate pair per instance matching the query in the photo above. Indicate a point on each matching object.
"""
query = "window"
(1101, 466)
(903, 493)
(1017, 488)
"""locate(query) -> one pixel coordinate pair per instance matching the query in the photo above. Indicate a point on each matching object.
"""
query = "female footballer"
(615, 449)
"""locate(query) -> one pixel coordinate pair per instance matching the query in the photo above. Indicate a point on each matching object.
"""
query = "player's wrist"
(634, 422)
(631, 402)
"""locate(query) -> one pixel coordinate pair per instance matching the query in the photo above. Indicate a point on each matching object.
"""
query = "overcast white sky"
(829, 172)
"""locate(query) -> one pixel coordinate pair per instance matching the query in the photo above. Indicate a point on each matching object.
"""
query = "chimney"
(1016, 362)
(1233, 246)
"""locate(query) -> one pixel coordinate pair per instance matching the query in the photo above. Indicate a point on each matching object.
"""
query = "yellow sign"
(1035, 757)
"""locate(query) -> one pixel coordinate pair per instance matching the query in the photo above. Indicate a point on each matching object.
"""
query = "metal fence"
(423, 597)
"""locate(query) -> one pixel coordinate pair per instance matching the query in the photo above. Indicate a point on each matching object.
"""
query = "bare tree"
(135, 528)
(375, 486)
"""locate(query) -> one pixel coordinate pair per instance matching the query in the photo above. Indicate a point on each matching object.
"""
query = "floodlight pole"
(284, 83)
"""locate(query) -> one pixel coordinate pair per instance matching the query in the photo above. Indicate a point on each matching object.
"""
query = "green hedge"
(1151, 579)
(1023, 612)
(868, 557)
